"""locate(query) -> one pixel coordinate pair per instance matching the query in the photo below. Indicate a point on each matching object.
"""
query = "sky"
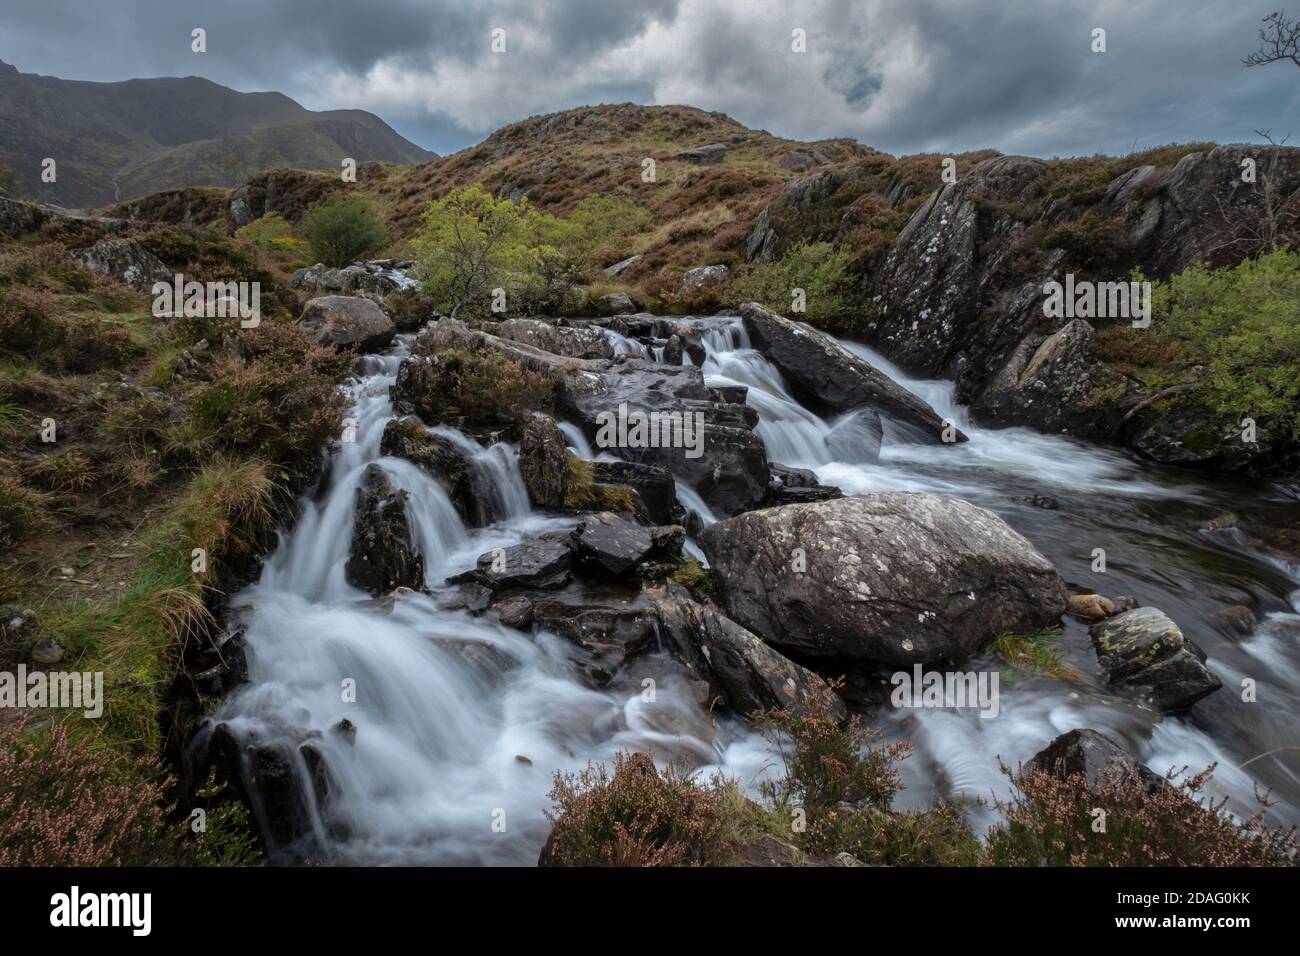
(903, 76)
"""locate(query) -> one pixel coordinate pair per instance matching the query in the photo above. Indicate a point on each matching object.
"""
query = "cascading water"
(1147, 521)
(460, 723)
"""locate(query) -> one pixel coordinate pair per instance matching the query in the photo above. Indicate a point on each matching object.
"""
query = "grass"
(1032, 653)
(584, 493)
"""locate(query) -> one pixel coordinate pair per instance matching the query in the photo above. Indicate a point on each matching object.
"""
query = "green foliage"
(343, 231)
(583, 493)
(273, 234)
(834, 296)
(697, 579)
(472, 242)
(1242, 324)
(1033, 653)
(482, 386)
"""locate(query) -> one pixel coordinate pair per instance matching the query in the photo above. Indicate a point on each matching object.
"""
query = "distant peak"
(8, 69)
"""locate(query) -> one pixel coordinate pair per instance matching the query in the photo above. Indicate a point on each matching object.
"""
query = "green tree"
(343, 231)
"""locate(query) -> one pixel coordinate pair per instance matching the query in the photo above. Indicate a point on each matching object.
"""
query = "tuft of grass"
(697, 579)
(1032, 653)
(584, 493)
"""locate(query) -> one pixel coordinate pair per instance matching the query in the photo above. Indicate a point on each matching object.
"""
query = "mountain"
(115, 141)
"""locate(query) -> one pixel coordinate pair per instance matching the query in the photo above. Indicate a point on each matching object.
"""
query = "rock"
(452, 333)
(1089, 607)
(14, 619)
(383, 556)
(856, 438)
(540, 563)
(701, 276)
(320, 279)
(829, 377)
(797, 486)
(729, 472)
(17, 217)
(47, 651)
(346, 730)
(608, 623)
(127, 260)
(340, 321)
(446, 461)
(610, 546)
(750, 675)
(703, 155)
(760, 244)
(1144, 651)
(1237, 618)
(654, 486)
(798, 160)
(516, 612)
(890, 578)
(224, 666)
(1193, 436)
(673, 350)
(615, 303)
(571, 341)
(544, 462)
(1092, 754)
(622, 266)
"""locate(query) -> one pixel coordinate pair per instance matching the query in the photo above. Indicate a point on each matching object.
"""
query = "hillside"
(114, 141)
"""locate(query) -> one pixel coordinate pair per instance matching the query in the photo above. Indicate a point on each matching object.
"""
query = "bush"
(22, 511)
(67, 802)
(343, 231)
(1050, 822)
(484, 387)
(834, 296)
(638, 817)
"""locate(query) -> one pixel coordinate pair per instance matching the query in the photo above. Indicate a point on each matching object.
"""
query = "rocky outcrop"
(746, 673)
(455, 334)
(826, 376)
(1092, 754)
(727, 464)
(709, 155)
(342, 322)
(654, 486)
(618, 268)
(544, 462)
(18, 217)
(702, 276)
(570, 341)
(447, 462)
(1142, 651)
(383, 556)
(126, 260)
(891, 578)
(610, 546)
(320, 279)
(615, 303)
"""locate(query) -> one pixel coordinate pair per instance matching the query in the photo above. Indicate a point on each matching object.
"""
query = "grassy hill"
(114, 141)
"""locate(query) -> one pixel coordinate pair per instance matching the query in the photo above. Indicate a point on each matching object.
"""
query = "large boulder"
(703, 155)
(445, 460)
(541, 563)
(453, 333)
(342, 321)
(544, 462)
(1144, 652)
(582, 342)
(654, 486)
(127, 260)
(748, 674)
(383, 556)
(701, 276)
(320, 279)
(610, 546)
(615, 303)
(829, 377)
(891, 578)
(1093, 755)
(17, 217)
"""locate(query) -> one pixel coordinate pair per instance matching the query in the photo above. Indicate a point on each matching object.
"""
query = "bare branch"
(1279, 40)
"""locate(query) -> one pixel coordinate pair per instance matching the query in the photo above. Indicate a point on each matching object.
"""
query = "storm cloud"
(900, 75)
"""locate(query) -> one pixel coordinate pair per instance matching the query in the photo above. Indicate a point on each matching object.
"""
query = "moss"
(697, 579)
(584, 493)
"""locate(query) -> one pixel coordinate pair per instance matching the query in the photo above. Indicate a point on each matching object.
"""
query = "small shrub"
(62, 471)
(484, 387)
(638, 817)
(343, 231)
(23, 511)
(834, 296)
(1049, 821)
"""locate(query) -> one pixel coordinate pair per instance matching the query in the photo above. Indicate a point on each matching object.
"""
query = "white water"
(445, 704)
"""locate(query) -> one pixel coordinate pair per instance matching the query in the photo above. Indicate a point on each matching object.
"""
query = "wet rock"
(610, 546)
(340, 321)
(727, 465)
(383, 556)
(703, 155)
(127, 260)
(797, 486)
(1238, 618)
(889, 578)
(444, 460)
(1144, 651)
(1192, 436)
(856, 438)
(567, 340)
(544, 462)
(654, 486)
(516, 611)
(827, 376)
(346, 730)
(673, 350)
(538, 563)
(608, 623)
(750, 675)
(1092, 754)
(1089, 607)
(1046, 502)
(615, 303)
(224, 667)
